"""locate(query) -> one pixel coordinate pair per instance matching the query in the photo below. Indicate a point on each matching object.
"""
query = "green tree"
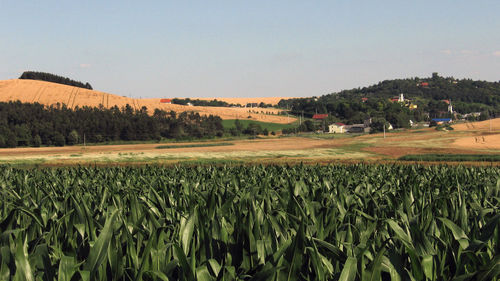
(238, 126)
(3, 141)
(37, 141)
(485, 115)
(11, 140)
(73, 137)
(59, 139)
(377, 125)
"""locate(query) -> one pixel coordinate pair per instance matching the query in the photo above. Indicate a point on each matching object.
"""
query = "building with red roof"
(320, 116)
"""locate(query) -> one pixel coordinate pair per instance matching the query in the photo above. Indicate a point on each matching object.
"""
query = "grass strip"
(194, 145)
(451, 157)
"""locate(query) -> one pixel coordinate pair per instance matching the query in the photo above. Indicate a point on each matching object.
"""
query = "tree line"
(198, 102)
(48, 77)
(26, 124)
(428, 94)
(216, 103)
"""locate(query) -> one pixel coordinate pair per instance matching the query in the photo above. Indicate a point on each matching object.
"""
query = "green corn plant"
(334, 222)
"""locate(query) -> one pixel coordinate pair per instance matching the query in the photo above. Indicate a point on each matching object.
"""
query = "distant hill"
(429, 98)
(48, 93)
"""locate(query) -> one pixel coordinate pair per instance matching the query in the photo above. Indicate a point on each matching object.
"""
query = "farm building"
(167, 101)
(357, 128)
(336, 128)
(441, 121)
(319, 116)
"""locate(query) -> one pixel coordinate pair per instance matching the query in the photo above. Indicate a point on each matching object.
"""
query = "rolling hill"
(48, 93)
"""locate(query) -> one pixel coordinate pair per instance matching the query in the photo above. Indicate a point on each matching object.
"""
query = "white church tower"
(450, 108)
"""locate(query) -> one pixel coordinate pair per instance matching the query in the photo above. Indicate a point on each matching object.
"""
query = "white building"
(336, 128)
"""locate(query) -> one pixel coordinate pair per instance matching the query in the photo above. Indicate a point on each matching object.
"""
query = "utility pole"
(83, 139)
(384, 130)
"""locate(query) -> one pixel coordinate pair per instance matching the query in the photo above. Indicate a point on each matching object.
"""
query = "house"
(319, 116)
(167, 101)
(440, 121)
(336, 128)
(423, 84)
(364, 99)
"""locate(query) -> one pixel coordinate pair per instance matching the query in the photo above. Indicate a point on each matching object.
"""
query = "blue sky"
(248, 48)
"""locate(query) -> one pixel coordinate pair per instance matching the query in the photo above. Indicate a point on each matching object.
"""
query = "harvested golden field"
(47, 93)
(483, 126)
(483, 135)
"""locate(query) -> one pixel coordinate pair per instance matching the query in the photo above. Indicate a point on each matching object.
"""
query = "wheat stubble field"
(47, 93)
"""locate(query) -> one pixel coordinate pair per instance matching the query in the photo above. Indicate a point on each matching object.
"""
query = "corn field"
(357, 222)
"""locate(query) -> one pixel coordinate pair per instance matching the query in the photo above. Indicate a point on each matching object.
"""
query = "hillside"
(47, 93)
(424, 98)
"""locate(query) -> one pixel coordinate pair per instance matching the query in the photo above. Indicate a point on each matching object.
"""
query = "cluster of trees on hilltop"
(25, 124)
(216, 103)
(48, 77)
(198, 102)
(428, 94)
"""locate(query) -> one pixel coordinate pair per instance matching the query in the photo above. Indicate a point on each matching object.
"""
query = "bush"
(37, 141)
(59, 139)
(11, 140)
(73, 138)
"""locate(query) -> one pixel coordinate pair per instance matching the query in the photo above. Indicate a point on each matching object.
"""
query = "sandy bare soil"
(51, 93)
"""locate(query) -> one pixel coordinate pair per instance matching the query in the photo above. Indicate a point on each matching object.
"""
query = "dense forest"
(428, 96)
(42, 76)
(25, 124)
(28, 124)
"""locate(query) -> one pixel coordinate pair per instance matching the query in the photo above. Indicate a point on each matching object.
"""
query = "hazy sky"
(248, 48)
